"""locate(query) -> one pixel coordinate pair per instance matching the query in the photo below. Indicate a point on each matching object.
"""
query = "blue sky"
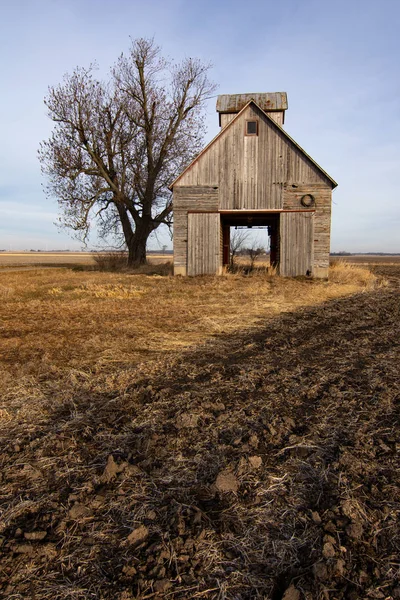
(337, 61)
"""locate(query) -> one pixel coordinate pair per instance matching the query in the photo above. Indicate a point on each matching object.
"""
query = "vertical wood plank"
(296, 244)
(204, 243)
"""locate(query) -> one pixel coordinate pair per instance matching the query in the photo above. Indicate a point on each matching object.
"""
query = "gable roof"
(278, 127)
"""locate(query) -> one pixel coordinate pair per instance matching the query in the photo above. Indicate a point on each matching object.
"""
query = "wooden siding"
(296, 244)
(204, 243)
(264, 172)
(226, 118)
(251, 171)
(322, 220)
(203, 198)
(277, 116)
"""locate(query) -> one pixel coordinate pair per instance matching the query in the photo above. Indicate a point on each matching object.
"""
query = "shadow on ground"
(261, 465)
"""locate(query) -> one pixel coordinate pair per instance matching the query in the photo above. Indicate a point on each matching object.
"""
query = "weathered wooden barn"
(253, 174)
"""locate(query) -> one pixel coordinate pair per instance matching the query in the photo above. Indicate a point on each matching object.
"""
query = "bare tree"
(116, 146)
(237, 241)
(254, 251)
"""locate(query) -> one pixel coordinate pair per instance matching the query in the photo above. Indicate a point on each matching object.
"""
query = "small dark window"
(251, 127)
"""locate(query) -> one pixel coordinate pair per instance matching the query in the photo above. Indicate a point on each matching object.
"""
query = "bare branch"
(237, 241)
(117, 145)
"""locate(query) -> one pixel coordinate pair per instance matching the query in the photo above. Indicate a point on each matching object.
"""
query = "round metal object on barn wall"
(307, 200)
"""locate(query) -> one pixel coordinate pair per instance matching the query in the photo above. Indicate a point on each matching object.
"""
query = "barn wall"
(296, 244)
(226, 118)
(322, 220)
(250, 171)
(263, 172)
(201, 198)
(204, 244)
(277, 116)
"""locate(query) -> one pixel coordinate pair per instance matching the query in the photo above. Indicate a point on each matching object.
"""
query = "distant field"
(22, 259)
(369, 259)
(31, 259)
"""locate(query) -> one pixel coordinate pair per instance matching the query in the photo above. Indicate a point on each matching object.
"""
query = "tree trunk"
(137, 251)
(137, 243)
(135, 239)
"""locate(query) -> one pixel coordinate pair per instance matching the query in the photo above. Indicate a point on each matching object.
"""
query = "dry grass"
(28, 259)
(54, 321)
(69, 330)
(109, 430)
(117, 262)
(67, 259)
(345, 273)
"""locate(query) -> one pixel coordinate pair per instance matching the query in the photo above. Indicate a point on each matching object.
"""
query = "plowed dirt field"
(261, 465)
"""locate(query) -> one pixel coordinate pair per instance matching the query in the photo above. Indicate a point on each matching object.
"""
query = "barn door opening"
(242, 231)
(296, 244)
(204, 244)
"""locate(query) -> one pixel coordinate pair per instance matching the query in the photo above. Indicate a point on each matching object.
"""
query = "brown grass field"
(27, 259)
(54, 259)
(71, 259)
(219, 438)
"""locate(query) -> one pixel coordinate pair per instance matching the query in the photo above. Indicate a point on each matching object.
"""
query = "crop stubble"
(260, 464)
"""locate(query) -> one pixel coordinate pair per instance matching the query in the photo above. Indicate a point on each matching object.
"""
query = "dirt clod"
(340, 567)
(255, 462)
(355, 530)
(111, 470)
(291, 593)
(35, 535)
(187, 420)
(321, 571)
(138, 536)
(79, 511)
(226, 482)
(316, 518)
(23, 549)
(328, 551)
(162, 586)
(254, 441)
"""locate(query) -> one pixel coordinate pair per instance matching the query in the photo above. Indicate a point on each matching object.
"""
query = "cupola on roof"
(267, 101)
